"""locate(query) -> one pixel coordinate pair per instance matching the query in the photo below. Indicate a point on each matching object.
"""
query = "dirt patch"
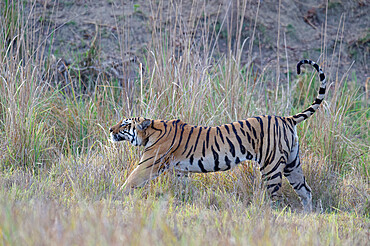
(113, 35)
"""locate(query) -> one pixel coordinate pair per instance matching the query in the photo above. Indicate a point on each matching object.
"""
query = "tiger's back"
(271, 141)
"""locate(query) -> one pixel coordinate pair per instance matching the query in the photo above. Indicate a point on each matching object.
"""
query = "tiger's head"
(133, 130)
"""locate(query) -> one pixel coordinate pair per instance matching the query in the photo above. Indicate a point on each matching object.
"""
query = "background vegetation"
(60, 176)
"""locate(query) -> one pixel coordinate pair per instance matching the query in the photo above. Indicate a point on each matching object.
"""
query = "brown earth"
(113, 34)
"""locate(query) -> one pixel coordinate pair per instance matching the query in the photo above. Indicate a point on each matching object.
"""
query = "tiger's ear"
(144, 125)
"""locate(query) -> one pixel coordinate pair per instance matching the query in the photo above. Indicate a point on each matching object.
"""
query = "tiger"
(271, 141)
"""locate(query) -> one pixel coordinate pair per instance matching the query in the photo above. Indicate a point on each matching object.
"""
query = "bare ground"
(112, 36)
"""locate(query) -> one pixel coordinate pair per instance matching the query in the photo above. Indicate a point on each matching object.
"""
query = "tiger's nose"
(110, 129)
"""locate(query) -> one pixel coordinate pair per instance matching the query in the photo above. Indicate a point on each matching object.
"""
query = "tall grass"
(25, 136)
(59, 171)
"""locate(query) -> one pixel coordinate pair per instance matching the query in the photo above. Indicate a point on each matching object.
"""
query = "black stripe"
(316, 67)
(146, 160)
(187, 141)
(310, 109)
(272, 185)
(280, 161)
(322, 90)
(169, 131)
(283, 131)
(249, 156)
(237, 160)
(305, 186)
(261, 137)
(175, 135)
(291, 165)
(276, 175)
(204, 149)
(290, 124)
(221, 136)
(180, 140)
(242, 148)
(196, 142)
(215, 158)
(232, 148)
(300, 115)
(191, 159)
(279, 129)
(317, 101)
(299, 67)
(248, 137)
(207, 136)
(277, 187)
(254, 132)
(216, 143)
(189, 152)
(243, 132)
(260, 122)
(300, 185)
(241, 127)
(269, 158)
(277, 136)
(290, 121)
(248, 125)
(268, 134)
(160, 159)
(228, 162)
(200, 164)
(227, 129)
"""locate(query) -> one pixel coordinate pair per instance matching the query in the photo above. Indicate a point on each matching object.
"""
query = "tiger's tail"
(297, 118)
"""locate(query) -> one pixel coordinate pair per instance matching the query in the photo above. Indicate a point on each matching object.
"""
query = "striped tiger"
(271, 141)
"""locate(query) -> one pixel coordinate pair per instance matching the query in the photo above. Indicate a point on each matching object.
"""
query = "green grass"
(60, 177)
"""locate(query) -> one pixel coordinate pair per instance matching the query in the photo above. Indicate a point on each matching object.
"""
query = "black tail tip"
(301, 63)
(299, 68)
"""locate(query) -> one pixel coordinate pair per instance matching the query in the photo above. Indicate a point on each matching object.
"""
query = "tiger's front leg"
(148, 168)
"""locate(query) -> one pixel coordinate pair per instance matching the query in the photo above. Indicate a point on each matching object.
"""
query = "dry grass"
(60, 177)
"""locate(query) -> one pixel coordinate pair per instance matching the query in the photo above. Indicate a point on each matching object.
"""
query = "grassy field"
(60, 176)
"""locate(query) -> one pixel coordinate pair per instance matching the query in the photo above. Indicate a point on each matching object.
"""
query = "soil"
(119, 32)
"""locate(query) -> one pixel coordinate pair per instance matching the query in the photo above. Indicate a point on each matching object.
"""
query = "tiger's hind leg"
(293, 172)
(272, 177)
